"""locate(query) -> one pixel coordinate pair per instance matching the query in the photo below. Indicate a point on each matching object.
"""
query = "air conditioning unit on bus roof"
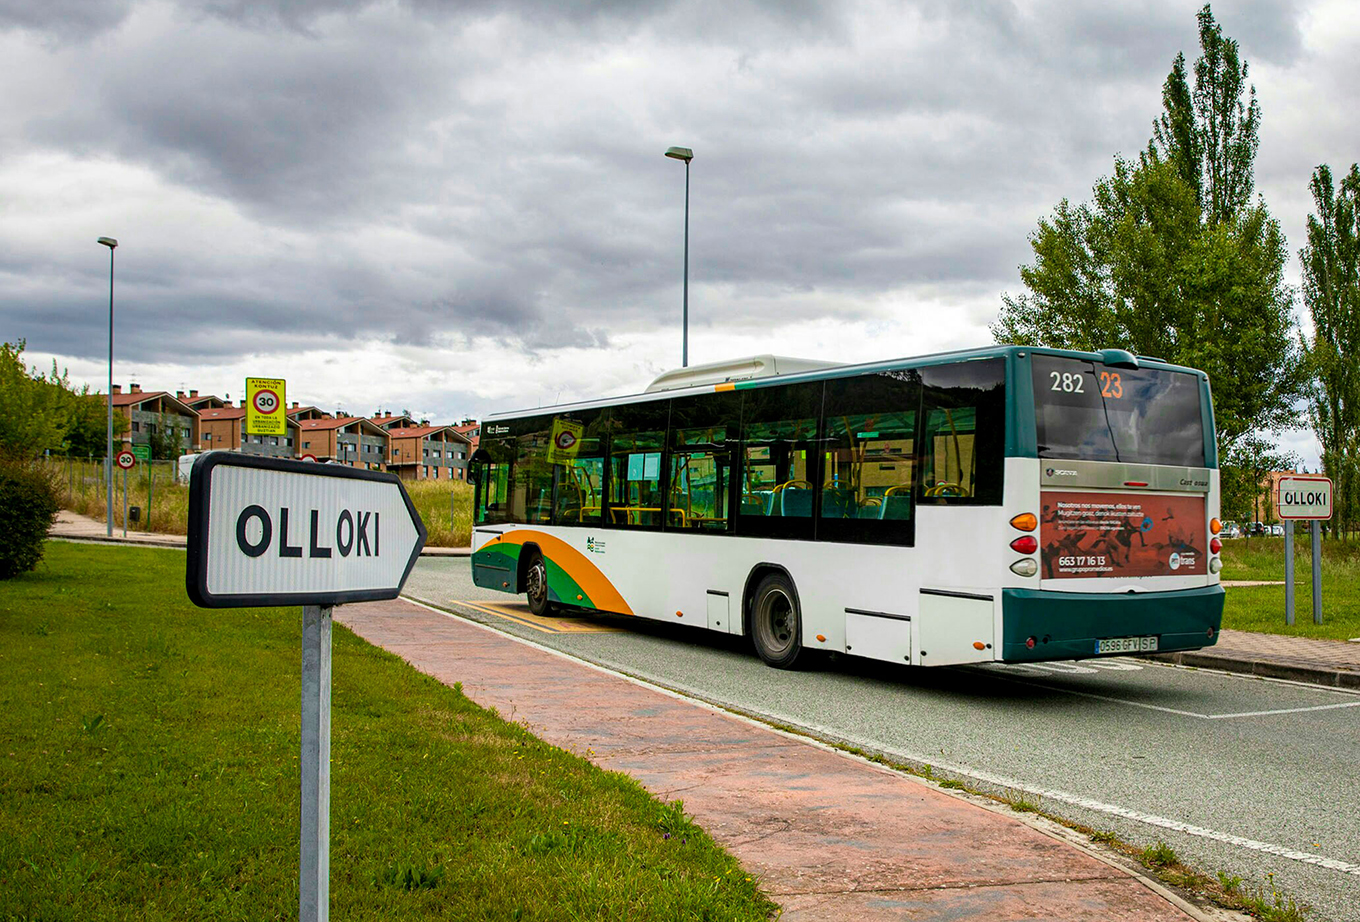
(743, 369)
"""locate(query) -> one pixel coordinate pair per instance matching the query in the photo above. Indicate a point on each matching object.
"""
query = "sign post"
(126, 460)
(266, 531)
(1306, 497)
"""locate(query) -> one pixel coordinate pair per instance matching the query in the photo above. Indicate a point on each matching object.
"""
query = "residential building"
(198, 403)
(426, 452)
(148, 411)
(471, 430)
(223, 429)
(390, 420)
(304, 413)
(351, 440)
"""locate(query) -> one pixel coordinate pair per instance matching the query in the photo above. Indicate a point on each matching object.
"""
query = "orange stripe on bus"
(597, 586)
(728, 386)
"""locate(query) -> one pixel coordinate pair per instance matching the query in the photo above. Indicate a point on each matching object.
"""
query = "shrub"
(28, 507)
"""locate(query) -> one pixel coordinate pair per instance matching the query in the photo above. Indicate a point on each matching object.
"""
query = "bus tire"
(776, 622)
(536, 586)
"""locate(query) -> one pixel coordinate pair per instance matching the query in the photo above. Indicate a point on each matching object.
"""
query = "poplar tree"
(1173, 258)
(1331, 292)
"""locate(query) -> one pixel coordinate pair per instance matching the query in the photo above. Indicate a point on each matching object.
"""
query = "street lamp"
(685, 154)
(108, 454)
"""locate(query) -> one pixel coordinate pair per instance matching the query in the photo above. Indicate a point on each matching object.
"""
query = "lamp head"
(108, 242)
(680, 153)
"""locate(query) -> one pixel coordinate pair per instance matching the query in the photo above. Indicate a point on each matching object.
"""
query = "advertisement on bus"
(1121, 535)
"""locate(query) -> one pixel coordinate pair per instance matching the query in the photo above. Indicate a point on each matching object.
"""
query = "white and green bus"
(1005, 504)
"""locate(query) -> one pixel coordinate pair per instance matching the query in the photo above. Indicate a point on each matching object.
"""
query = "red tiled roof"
(411, 432)
(335, 422)
(208, 413)
(140, 397)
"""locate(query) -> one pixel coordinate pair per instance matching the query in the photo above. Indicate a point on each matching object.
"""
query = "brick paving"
(832, 837)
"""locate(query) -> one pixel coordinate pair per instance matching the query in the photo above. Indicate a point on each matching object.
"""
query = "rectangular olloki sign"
(265, 531)
(1304, 496)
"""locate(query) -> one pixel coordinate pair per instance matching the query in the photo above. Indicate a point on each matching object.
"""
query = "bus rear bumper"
(1069, 625)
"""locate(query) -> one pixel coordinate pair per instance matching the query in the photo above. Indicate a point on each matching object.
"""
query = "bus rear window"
(1088, 411)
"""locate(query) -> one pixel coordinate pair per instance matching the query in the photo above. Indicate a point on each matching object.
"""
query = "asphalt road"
(1242, 775)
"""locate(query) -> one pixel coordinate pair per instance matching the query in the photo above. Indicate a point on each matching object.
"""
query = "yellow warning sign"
(265, 413)
(566, 441)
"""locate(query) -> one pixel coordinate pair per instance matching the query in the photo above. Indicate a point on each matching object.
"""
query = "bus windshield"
(1087, 411)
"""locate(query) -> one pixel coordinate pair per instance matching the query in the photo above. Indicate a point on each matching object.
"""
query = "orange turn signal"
(821, 638)
(1025, 521)
(1215, 526)
(979, 645)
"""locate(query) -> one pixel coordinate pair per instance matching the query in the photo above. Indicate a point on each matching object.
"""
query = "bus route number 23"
(1110, 385)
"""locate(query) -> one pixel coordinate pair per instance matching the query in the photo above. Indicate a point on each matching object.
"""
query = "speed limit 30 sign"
(265, 407)
(125, 459)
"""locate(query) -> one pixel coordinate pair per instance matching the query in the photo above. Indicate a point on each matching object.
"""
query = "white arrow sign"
(264, 531)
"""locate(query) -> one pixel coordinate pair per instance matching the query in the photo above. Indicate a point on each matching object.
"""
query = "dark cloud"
(493, 170)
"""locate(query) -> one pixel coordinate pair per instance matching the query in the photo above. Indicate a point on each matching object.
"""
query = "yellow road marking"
(519, 613)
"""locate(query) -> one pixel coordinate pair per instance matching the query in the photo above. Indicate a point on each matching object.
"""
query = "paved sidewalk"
(83, 528)
(1303, 659)
(832, 837)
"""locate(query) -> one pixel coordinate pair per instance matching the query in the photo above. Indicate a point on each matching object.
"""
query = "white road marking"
(1157, 707)
(820, 734)
(1065, 668)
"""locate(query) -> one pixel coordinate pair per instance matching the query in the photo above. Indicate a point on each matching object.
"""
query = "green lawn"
(1261, 608)
(149, 769)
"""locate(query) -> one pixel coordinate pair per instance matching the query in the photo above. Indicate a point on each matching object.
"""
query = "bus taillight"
(1215, 526)
(1025, 521)
(1025, 544)
(1215, 546)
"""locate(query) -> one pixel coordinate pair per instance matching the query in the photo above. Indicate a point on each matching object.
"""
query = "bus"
(1006, 504)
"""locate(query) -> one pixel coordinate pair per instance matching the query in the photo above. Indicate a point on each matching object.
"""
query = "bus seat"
(837, 503)
(896, 506)
(795, 501)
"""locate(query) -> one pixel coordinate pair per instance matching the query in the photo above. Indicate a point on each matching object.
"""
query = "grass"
(1261, 608)
(149, 769)
(444, 505)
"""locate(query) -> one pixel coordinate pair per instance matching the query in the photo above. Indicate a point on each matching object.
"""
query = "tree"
(1172, 259)
(33, 417)
(1210, 134)
(163, 437)
(1331, 291)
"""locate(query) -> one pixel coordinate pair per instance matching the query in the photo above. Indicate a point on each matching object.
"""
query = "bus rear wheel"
(536, 586)
(776, 622)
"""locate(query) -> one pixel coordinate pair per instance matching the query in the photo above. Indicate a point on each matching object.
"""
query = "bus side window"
(531, 480)
(637, 435)
(703, 429)
(963, 431)
(869, 458)
(576, 453)
(779, 458)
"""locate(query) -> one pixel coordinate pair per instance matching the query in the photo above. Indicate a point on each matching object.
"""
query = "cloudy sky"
(461, 207)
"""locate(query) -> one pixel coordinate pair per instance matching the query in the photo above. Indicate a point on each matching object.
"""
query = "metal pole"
(124, 502)
(314, 868)
(684, 346)
(150, 484)
(1289, 571)
(108, 460)
(1317, 572)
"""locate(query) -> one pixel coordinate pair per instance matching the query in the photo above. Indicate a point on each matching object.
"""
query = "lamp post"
(685, 154)
(108, 453)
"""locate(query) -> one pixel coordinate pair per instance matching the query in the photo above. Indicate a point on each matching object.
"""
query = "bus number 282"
(1071, 384)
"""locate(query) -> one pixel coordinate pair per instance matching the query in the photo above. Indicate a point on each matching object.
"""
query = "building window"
(306, 444)
(136, 426)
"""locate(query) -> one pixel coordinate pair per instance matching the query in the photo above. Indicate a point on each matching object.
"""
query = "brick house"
(351, 440)
(427, 452)
(471, 430)
(147, 411)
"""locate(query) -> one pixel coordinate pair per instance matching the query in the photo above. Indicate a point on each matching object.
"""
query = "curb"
(127, 542)
(1312, 675)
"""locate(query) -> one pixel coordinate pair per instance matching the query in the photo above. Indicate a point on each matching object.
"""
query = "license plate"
(1127, 645)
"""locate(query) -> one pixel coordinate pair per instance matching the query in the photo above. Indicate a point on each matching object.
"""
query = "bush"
(28, 507)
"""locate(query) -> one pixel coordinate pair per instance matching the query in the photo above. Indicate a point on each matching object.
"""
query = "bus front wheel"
(776, 623)
(536, 586)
